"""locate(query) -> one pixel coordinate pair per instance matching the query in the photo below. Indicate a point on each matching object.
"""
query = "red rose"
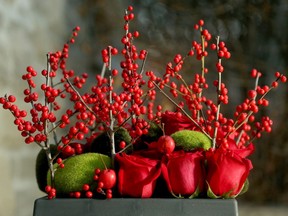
(184, 173)
(172, 122)
(137, 175)
(227, 172)
(243, 151)
(151, 153)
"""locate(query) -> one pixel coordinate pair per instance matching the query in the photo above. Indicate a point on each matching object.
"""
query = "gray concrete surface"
(257, 210)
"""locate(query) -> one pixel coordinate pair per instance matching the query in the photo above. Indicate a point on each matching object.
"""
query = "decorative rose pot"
(135, 207)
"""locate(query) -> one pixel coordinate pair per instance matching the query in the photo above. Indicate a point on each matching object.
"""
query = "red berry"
(204, 32)
(100, 185)
(89, 194)
(227, 55)
(99, 189)
(97, 171)
(277, 74)
(274, 84)
(136, 34)
(165, 144)
(191, 53)
(221, 54)
(131, 16)
(252, 94)
(114, 51)
(11, 98)
(67, 149)
(59, 160)
(201, 22)
(29, 69)
(122, 144)
(253, 73)
(213, 46)
(77, 194)
(114, 72)
(77, 28)
(95, 177)
(108, 179)
(48, 188)
(283, 78)
(109, 195)
(86, 187)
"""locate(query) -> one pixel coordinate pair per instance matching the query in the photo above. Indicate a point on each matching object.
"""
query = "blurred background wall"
(28, 30)
(255, 31)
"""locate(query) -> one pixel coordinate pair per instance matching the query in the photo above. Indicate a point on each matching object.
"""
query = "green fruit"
(78, 170)
(189, 140)
(42, 167)
(101, 144)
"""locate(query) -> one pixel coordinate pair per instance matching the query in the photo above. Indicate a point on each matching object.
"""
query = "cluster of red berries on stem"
(204, 112)
(51, 192)
(133, 105)
(105, 181)
(102, 109)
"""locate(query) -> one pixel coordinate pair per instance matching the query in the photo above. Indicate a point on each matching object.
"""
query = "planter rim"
(135, 206)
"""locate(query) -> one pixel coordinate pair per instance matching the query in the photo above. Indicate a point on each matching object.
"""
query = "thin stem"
(248, 115)
(110, 58)
(103, 162)
(202, 67)
(47, 142)
(182, 110)
(112, 121)
(103, 70)
(143, 64)
(218, 100)
(80, 97)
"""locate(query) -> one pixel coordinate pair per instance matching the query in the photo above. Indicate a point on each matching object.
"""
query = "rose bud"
(137, 175)
(226, 174)
(174, 122)
(184, 173)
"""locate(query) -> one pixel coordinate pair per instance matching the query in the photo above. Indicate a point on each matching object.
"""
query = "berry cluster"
(104, 109)
(51, 192)
(203, 112)
(104, 180)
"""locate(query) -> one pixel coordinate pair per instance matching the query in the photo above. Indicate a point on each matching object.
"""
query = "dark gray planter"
(135, 207)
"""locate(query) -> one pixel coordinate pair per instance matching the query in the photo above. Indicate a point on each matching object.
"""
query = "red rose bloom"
(243, 151)
(227, 172)
(184, 173)
(172, 122)
(137, 175)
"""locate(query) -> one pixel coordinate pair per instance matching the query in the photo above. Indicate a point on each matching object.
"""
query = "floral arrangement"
(116, 140)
